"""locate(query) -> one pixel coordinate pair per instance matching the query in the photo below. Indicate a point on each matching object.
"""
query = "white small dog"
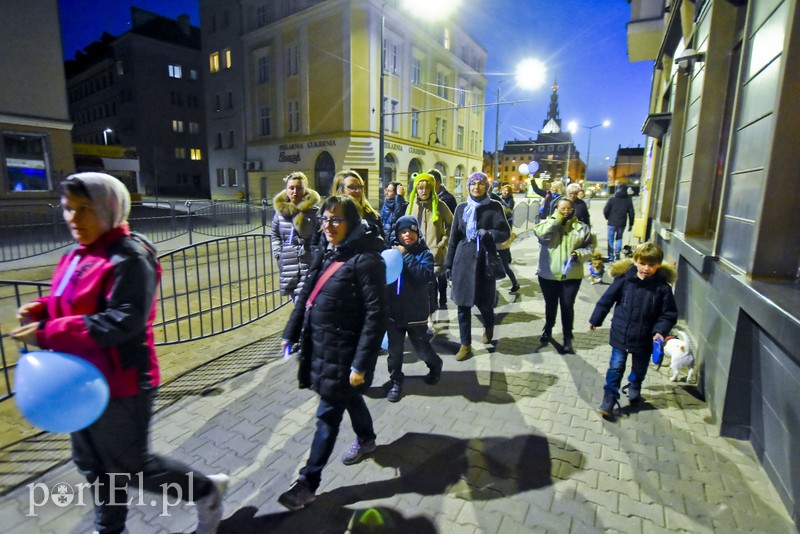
(679, 351)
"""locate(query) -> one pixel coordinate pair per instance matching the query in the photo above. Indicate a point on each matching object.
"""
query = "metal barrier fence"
(206, 289)
(525, 213)
(31, 229)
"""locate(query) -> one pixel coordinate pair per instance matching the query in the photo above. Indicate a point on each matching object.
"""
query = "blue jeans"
(329, 418)
(616, 368)
(615, 241)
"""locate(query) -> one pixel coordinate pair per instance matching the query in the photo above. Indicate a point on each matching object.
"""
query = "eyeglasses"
(333, 221)
(355, 187)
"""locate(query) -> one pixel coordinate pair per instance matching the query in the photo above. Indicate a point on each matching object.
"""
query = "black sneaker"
(298, 496)
(634, 393)
(395, 392)
(514, 289)
(432, 378)
(606, 408)
(357, 451)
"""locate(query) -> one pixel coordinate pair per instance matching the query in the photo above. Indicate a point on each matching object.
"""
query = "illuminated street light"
(573, 126)
(105, 134)
(531, 74)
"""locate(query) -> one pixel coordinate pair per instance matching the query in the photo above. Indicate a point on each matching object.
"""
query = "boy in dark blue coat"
(408, 306)
(644, 311)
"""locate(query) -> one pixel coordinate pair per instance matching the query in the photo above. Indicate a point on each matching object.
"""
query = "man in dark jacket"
(341, 313)
(616, 211)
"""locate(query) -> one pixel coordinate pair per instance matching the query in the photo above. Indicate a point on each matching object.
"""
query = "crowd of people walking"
(333, 256)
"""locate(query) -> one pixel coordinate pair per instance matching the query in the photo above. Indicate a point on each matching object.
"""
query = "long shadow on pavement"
(478, 469)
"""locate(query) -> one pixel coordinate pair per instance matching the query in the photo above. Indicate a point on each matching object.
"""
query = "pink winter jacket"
(102, 309)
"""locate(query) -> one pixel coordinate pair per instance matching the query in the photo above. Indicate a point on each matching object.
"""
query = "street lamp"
(531, 74)
(105, 134)
(573, 125)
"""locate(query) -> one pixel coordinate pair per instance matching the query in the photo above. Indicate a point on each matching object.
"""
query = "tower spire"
(552, 124)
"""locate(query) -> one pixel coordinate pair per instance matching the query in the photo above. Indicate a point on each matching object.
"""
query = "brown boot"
(464, 352)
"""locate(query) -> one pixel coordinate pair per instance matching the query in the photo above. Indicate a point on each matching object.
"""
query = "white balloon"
(533, 166)
(523, 169)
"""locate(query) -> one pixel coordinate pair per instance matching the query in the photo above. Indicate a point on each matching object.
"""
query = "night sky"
(582, 43)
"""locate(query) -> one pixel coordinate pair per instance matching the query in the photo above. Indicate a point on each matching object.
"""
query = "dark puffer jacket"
(410, 307)
(619, 208)
(344, 326)
(465, 262)
(294, 230)
(391, 211)
(642, 308)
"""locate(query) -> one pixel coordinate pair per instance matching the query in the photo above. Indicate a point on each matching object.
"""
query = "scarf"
(470, 214)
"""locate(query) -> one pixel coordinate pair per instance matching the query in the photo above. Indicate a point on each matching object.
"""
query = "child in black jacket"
(408, 306)
(644, 311)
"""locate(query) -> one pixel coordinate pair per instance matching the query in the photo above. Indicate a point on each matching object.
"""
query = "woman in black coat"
(478, 224)
(341, 314)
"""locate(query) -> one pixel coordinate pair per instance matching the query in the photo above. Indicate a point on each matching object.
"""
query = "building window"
(261, 15)
(231, 139)
(177, 126)
(213, 62)
(193, 74)
(460, 138)
(265, 121)
(446, 39)
(219, 140)
(217, 102)
(230, 99)
(394, 59)
(194, 128)
(262, 74)
(414, 123)
(383, 110)
(439, 84)
(228, 58)
(180, 152)
(462, 94)
(25, 162)
(443, 135)
(196, 154)
(415, 71)
(290, 57)
(220, 177)
(294, 116)
(394, 116)
(175, 71)
(120, 68)
(233, 177)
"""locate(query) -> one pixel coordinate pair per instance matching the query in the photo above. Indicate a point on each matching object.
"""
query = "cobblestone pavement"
(508, 441)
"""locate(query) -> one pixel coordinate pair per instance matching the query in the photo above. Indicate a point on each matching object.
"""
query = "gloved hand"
(481, 232)
(448, 274)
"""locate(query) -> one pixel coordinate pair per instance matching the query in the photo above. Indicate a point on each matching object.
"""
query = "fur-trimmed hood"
(666, 271)
(285, 207)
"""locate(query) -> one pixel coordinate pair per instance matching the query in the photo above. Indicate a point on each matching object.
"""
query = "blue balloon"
(59, 392)
(394, 264)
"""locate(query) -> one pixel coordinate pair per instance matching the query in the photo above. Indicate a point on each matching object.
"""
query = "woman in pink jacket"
(101, 308)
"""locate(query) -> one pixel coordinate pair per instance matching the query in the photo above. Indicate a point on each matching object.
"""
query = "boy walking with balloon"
(408, 306)
(101, 309)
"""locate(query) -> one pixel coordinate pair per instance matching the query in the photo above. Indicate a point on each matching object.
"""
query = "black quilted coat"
(345, 324)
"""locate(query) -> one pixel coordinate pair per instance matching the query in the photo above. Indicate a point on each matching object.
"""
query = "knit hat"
(110, 198)
(495, 184)
(406, 222)
(412, 197)
(477, 176)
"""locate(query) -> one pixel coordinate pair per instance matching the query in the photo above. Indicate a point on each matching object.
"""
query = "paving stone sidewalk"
(509, 441)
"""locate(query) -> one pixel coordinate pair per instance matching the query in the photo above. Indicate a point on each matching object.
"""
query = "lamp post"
(381, 177)
(574, 125)
(105, 135)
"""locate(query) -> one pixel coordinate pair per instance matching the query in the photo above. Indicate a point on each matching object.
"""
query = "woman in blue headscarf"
(478, 224)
